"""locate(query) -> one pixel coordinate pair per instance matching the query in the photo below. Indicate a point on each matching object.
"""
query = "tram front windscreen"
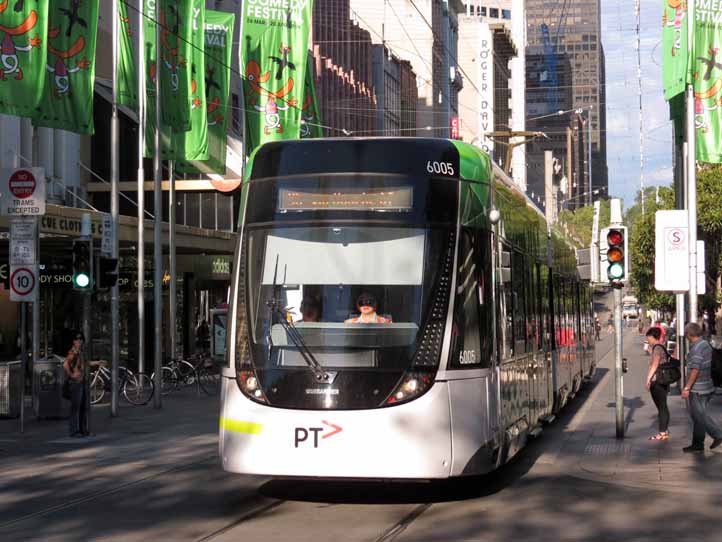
(347, 274)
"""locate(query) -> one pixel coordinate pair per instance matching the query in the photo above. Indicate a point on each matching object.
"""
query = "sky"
(623, 127)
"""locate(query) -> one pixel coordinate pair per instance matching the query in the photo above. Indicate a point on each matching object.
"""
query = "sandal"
(660, 436)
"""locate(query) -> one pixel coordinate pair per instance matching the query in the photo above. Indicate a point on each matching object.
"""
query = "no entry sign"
(22, 191)
(23, 282)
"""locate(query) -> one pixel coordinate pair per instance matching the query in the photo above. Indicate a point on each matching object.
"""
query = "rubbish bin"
(11, 387)
(48, 378)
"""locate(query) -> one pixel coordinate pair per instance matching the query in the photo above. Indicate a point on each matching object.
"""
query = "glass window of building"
(494, 13)
(506, 14)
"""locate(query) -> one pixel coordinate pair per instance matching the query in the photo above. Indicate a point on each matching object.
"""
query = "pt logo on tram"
(302, 434)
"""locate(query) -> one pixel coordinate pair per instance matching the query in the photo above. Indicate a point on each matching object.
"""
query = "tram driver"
(367, 305)
(310, 310)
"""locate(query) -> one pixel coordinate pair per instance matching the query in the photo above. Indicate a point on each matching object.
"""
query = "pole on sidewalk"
(23, 359)
(691, 178)
(114, 174)
(158, 211)
(86, 233)
(172, 305)
(141, 189)
(618, 364)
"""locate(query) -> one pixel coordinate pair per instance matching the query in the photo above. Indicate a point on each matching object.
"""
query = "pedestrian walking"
(659, 392)
(699, 388)
(74, 367)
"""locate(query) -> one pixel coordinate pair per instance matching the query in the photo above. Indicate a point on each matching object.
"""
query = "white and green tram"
(399, 310)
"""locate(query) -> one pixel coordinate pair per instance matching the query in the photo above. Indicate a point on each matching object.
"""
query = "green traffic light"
(615, 271)
(81, 280)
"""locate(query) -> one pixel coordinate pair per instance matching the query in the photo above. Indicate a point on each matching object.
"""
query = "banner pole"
(141, 188)
(172, 305)
(691, 176)
(158, 222)
(114, 141)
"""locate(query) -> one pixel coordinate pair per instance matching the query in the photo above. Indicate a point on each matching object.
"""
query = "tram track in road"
(247, 516)
(94, 496)
(397, 529)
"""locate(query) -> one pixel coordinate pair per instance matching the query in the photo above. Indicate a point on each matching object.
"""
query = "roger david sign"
(23, 283)
(22, 192)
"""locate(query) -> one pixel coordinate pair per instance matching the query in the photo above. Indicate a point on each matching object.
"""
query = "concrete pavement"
(591, 450)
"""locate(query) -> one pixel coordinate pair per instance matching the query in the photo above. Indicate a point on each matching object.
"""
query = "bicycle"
(208, 375)
(175, 373)
(137, 389)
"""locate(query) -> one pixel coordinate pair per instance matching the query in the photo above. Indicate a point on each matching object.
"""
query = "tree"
(578, 223)
(642, 246)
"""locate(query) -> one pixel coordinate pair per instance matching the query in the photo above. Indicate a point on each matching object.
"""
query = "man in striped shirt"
(699, 390)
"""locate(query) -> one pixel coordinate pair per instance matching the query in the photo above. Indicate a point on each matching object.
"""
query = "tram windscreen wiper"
(277, 313)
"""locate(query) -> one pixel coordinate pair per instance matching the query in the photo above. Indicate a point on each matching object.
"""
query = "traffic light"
(82, 265)
(107, 272)
(617, 254)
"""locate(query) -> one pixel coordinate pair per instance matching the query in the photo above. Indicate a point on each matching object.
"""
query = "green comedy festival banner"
(706, 61)
(674, 47)
(273, 59)
(127, 82)
(218, 49)
(310, 117)
(23, 55)
(69, 87)
(176, 36)
(149, 53)
(193, 144)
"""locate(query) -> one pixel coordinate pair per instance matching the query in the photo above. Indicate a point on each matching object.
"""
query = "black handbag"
(66, 390)
(668, 372)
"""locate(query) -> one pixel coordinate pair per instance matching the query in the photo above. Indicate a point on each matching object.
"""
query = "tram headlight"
(411, 386)
(249, 385)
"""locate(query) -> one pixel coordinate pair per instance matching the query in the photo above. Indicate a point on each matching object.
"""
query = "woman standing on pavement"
(74, 367)
(658, 354)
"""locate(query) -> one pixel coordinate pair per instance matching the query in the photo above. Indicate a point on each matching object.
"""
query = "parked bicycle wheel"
(186, 373)
(169, 380)
(138, 390)
(97, 387)
(209, 380)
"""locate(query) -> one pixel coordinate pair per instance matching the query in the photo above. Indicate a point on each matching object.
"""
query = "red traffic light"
(615, 237)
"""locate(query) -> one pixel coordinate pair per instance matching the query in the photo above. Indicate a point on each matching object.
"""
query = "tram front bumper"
(407, 441)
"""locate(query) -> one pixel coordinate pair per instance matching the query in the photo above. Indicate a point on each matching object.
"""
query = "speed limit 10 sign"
(24, 283)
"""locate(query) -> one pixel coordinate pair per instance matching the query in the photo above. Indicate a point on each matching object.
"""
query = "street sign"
(671, 262)
(106, 243)
(22, 191)
(23, 240)
(23, 283)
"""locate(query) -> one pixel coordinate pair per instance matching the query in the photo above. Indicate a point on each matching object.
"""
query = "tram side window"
(506, 310)
(520, 289)
(468, 349)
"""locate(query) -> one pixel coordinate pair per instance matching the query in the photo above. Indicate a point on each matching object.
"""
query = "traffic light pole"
(618, 362)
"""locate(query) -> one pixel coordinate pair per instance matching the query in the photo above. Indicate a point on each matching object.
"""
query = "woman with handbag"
(74, 367)
(659, 391)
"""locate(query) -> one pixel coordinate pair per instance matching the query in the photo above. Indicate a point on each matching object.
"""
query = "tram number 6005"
(440, 168)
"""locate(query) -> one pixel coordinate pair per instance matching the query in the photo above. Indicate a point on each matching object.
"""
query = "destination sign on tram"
(392, 199)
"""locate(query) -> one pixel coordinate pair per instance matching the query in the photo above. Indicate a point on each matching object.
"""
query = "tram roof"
(474, 164)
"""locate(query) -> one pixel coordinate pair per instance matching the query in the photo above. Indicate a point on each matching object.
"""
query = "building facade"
(343, 60)
(573, 27)
(507, 15)
(396, 94)
(424, 33)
